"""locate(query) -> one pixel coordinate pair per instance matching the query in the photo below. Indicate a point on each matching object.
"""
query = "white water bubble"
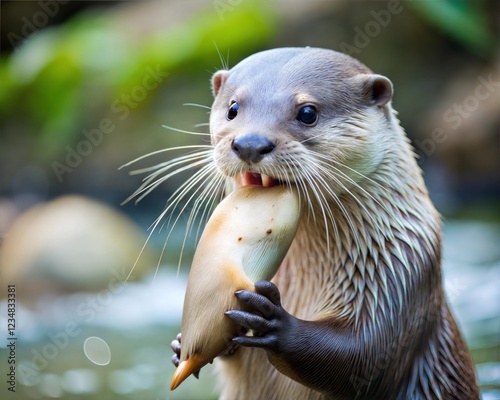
(97, 350)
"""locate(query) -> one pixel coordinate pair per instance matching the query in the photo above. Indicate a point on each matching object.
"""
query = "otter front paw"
(265, 316)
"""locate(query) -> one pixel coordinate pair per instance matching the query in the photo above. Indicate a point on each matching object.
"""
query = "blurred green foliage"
(65, 77)
(54, 80)
(463, 20)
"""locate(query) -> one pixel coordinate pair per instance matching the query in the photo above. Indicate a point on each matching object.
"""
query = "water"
(116, 345)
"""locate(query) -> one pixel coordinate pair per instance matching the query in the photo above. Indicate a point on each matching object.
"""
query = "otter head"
(313, 118)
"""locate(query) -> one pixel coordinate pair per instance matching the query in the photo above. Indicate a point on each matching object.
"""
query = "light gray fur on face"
(270, 81)
(355, 124)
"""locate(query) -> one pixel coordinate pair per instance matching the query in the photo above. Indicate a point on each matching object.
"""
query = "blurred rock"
(71, 244)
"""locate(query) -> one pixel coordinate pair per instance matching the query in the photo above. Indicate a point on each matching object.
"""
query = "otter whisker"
(335, 172)
(176, 198)
(216, 194)
(184, 131)
(152, 181)
(287, 175)
(139, 256)
(197, 146)
(301, 186)
(334, 161)
(333, 175)
(188, 185)
(329, 163)
(171, 163)
(402, 232)
(202, 199)
(343, 210)
(349, 179)
(384, 206)
(150, 185)
(207, 198)
(163, 166)
(204, 154)
(281, 174)
(152, 229)
(322, 202)
(224, 63)
(337, 200)
(321, 134)
(200, 175)
(197, 105)
(205, 201)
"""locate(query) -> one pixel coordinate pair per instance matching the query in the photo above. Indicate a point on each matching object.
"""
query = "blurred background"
(85, 87)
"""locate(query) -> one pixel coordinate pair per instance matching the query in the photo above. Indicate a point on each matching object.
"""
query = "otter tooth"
(267, 181)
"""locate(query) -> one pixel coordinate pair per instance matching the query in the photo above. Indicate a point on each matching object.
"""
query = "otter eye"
(308, 115)
(232, 112)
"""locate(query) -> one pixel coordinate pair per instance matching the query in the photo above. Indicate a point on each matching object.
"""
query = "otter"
(357, 308)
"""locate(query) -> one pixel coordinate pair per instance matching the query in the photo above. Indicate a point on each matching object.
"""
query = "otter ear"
(218, 80)
(378, 89)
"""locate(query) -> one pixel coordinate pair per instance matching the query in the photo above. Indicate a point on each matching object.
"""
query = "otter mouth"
(251, 178)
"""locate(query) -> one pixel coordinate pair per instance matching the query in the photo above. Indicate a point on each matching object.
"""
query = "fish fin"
(186, 368)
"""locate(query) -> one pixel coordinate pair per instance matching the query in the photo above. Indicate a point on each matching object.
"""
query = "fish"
(244, 241)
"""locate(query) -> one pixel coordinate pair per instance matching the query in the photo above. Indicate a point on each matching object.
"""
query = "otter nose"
(252, 147)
